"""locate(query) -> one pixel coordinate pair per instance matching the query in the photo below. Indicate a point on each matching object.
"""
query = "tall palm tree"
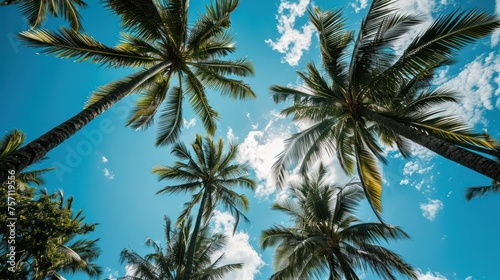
(36, 10)
(377, 97)
(159, 40)
(169, 263)
(326, 238)
(10, 142)
(210, 174)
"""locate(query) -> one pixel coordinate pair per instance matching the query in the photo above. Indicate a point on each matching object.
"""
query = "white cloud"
(230, 136)
(468, 278)
(293, 42)
(430, 276)
(479, 86)
(104, 159)
(190, 123)
(359, 5)
(111, 275)
(238, 248)
(260, 149)
(495, 37)
(109, 174)
(430, 209)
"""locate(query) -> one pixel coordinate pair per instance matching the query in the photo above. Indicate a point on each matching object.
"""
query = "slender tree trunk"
(38, 148)
(192, 242)
(476, 162)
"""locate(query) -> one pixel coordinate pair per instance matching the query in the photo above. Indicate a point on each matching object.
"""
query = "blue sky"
(107, 167)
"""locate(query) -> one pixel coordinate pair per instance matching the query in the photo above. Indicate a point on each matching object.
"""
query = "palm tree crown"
(210, 174)
(159, 40)
(325, 238)
(169, 263)
(381, 98)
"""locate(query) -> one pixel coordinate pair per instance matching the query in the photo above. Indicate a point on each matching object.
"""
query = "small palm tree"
(325, 238)
(169, 263)
(353, 106)
(36, 10)
(210, 174)
(160, 41)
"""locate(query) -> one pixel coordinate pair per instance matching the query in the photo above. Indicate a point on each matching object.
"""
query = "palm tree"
(169, 263)
(379, 97)
(210, 174)
(325, 238)
(36, 10)
(10, 142)
(160, 41)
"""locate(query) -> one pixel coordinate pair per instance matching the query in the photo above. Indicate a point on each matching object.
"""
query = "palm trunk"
(476, 162)
(192, 242)
(39, 147)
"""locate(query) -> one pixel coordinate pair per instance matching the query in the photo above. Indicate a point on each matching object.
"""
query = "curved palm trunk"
(192, 242)
(476, 162)
(39, 147)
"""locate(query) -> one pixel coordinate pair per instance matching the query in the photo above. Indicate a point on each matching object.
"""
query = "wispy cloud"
(359, 5)
(111, 274)
(190, 123)
(109, 174)
(430, 276)
(431, 208)
(479, 87)
(293, 41)
(104, 159)
(238, 248)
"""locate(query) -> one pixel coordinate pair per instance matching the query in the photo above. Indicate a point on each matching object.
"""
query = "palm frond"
(69, 44)
(473, 192)
(370, 178)
(36, 11)
(141, 17)
(334, 40)
(198, 100)
(11, 141)
(170, 121)
(146, 106)
(448, 34)
(212, 23)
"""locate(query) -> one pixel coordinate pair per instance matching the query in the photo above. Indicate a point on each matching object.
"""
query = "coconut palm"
(326, 238)
(10, 142)
(210, 174)
(159, 40)
(169, 263)
(36, 11)
(354, 104)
